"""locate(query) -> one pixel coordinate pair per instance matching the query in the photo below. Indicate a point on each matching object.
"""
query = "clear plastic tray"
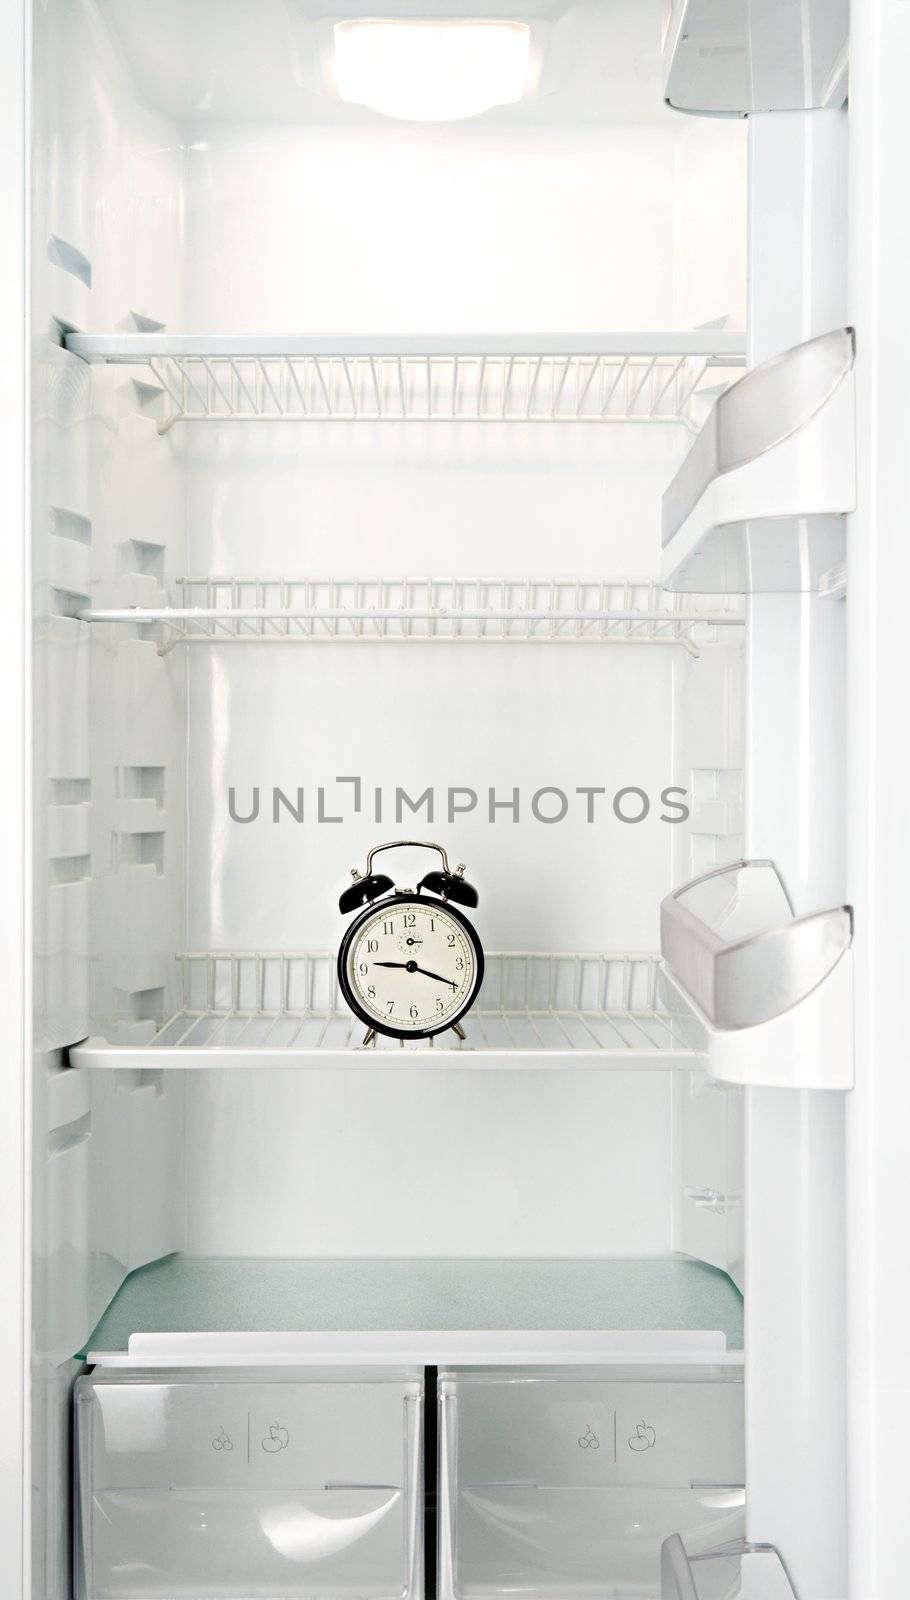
(732, 939)
(733, 1571)
(562, 1485)
(247, 1486)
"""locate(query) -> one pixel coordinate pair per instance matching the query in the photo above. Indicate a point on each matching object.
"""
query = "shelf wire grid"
(236, 610)
(439, 388)
(536, 1002)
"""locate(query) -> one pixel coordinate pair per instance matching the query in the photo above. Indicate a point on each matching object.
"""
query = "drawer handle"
(385, 1488)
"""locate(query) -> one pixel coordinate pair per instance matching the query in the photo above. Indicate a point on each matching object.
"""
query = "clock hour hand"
(404, 965)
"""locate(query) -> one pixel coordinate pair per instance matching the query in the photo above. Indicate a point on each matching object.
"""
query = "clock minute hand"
(411, 966)
(438, 977)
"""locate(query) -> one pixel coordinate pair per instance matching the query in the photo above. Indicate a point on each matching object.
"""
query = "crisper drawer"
(247, 1485)
(565, 1482)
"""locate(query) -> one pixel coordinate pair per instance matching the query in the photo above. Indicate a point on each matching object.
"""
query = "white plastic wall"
(106, 509)
(14, 795)
(414, 229)
(106, 506)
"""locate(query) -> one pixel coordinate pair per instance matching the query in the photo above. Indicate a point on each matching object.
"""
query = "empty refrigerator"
(458, 429)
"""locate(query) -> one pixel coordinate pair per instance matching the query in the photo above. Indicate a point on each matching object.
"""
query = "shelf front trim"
(495, 1347)
(721, 345)
(392, 614)
(373, 625)
(98, 1053)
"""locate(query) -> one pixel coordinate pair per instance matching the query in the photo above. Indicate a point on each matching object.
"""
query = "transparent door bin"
(734, 1571)
(759, 503)
(247, 1486)
(558, 1484)
(771, 992)
(757, 57)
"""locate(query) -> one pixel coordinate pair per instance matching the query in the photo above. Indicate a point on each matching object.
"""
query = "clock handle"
(365, 889)
(450, 885)
(407, 844)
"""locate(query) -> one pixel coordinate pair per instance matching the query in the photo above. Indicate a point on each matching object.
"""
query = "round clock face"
(410, 967)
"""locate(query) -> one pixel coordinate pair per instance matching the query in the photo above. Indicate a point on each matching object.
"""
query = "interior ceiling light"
(431, 71)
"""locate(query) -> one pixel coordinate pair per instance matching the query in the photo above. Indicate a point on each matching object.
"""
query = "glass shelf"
(194, 1311)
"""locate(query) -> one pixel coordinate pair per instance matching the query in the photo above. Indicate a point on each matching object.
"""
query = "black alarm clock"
(410, 965)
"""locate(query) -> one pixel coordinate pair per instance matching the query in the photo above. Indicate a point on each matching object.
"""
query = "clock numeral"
(440, 1005)
(371, 993)
(362, 969)
(410, 920)
(391, 1006)
(459, 963)
(389, 926)
(432, 924)
(450, 940)
(372, 946)
(414, 1013)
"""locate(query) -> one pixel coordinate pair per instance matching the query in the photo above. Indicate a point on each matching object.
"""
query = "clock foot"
(368, 1038)
(457, 1028)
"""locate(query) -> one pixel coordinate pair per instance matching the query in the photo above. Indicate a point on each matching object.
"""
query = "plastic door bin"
(247, 1486)
(565, 1482)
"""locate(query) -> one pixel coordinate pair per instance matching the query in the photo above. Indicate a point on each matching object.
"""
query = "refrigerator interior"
(517, 324)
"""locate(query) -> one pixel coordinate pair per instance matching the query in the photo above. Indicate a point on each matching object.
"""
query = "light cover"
(431, 71)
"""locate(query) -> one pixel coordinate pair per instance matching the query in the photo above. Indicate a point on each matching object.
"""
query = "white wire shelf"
(238, 610)
(636, 377)
(263, 1009)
